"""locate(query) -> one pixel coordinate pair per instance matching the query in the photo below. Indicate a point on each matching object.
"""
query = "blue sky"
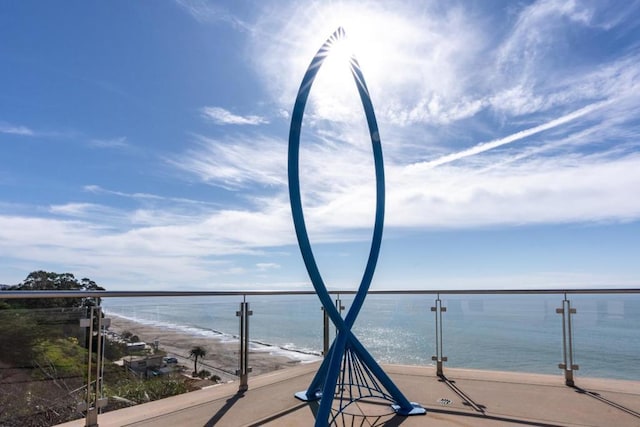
(144, 145)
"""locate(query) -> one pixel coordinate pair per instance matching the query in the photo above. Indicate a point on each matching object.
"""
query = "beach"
(222, 356)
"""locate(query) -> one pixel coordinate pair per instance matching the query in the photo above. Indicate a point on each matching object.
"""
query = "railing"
(453, 317)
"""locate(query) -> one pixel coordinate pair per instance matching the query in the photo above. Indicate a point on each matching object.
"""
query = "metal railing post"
(94, 400)
(439, 358)
(340, 307)
(567, 341)
(325, 332)
(91, 418)
(244, 370)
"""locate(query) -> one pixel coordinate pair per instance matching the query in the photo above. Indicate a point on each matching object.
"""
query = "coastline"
(222, 356)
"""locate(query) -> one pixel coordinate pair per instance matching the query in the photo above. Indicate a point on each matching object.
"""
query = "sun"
(341, 50)
(335, 95)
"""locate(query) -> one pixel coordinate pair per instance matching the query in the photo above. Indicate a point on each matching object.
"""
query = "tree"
(195, 353)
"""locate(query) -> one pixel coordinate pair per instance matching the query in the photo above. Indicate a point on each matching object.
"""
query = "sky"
(144, 144)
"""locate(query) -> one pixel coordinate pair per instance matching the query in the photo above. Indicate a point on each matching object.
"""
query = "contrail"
(485, 146)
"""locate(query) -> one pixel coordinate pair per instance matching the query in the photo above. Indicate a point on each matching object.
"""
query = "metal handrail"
(125, 294)
(568, 365)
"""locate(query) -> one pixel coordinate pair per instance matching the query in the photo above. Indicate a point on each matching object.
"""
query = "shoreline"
(222, 356)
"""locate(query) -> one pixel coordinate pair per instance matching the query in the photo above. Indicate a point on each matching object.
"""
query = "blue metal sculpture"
(348, 372)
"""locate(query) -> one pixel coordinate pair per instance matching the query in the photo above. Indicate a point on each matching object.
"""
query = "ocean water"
(498, 332)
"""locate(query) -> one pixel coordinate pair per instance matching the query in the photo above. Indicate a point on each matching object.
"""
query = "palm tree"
(195, 353)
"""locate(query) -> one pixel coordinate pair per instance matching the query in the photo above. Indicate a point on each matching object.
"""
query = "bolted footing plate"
(416, 409)
(302, 395)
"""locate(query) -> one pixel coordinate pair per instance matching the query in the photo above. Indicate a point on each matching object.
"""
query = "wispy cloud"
(236, 161)
(550, 178)
(22, 130)
(538, 28)
(224, 117)
(207, 11)
(485, 146)
(16, 130)
(119, 142)
(142, 209)
(96, 189)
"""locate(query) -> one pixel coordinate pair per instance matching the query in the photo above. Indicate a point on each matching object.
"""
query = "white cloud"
(534, 190)
(436, 65)
(165, 251)
(540, 190)
(15, 130)
(74, 209)
(415, 68)
(546, 179)
(440, 66)
(432, 70)
(266, 266)
(223, 117)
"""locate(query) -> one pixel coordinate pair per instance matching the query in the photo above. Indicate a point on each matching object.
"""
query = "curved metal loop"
(294, 184)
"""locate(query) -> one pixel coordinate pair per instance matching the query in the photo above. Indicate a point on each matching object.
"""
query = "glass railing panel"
(45, 350)
(503, 332)
(215, 314)
(153, 344)
(606, 335)
(43, 367)
(284, 330)
(397, 329)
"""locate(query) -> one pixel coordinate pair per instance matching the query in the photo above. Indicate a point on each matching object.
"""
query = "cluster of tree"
(50, 281)
(130, 336)
(44, 353)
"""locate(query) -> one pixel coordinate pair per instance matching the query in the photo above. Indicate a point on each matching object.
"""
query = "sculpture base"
(416, 408)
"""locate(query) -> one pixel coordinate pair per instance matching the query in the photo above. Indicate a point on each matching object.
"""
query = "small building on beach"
(144, 366)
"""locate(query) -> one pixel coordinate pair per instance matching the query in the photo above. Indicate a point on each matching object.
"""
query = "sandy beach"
(222, 355)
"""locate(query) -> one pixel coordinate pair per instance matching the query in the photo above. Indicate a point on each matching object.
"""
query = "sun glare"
(335, 94)
(341, 50)
(336, 66)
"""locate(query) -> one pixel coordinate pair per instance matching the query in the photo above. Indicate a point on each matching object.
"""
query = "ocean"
(496, 332)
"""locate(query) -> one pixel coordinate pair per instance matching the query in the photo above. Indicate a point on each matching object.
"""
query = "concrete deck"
(463, 398)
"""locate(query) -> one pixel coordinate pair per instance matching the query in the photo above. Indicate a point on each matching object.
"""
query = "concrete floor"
(463, 398)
